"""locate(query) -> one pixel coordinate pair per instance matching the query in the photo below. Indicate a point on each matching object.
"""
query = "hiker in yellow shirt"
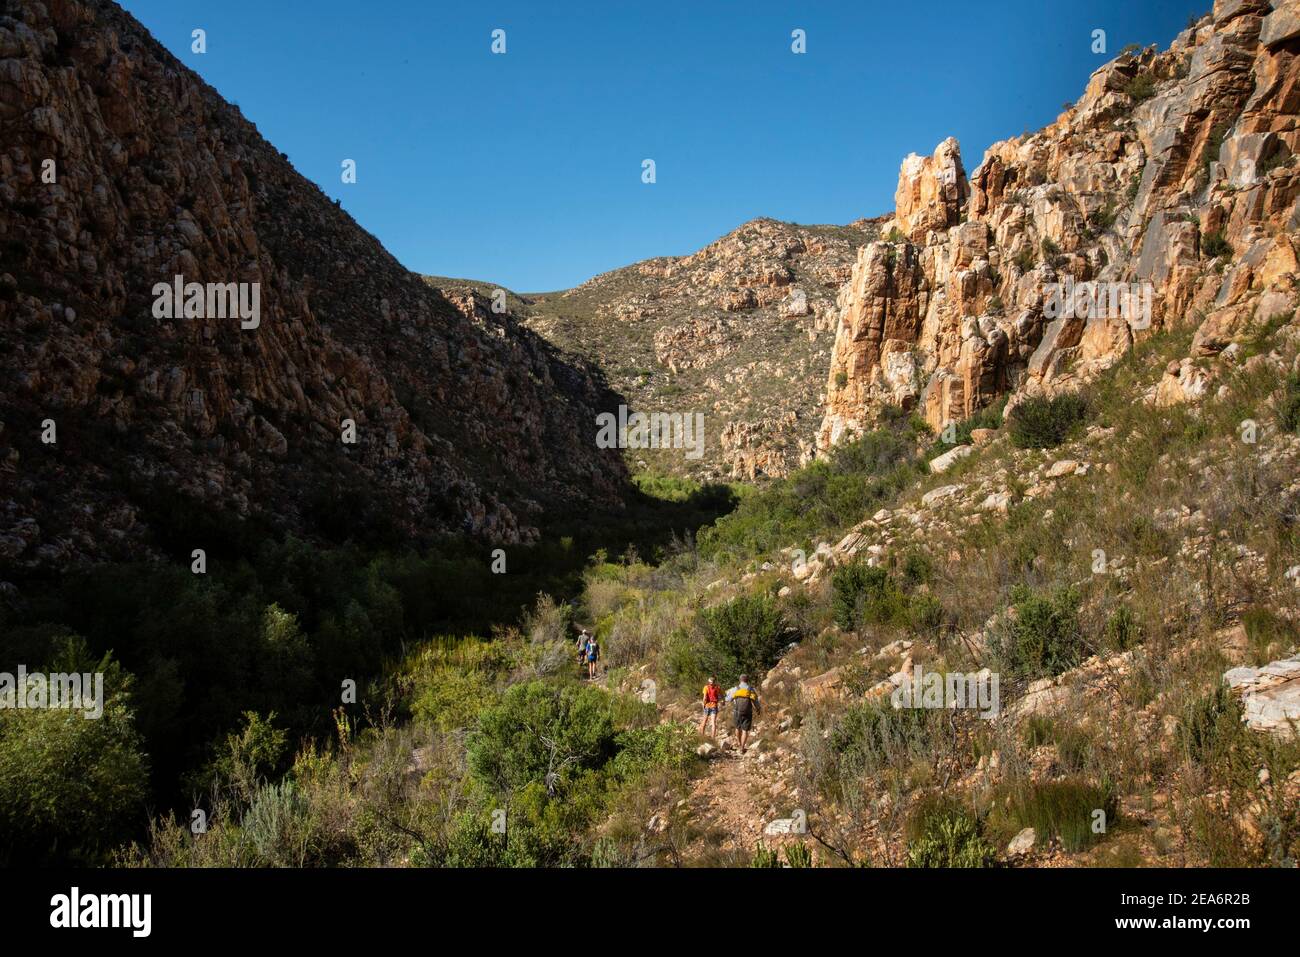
(744, 705)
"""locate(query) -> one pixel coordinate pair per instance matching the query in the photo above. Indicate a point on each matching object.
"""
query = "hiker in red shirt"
(712, 699)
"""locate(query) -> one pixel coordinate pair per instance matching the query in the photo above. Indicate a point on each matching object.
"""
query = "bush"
(1268, 635)
(541, 733)
(70, 787)
(1123, 631)
(548, 621)
(666, 746)
(1213, 143)
(1041, 637)
(276, 828)
(1040, 423)
(1141, 87)
(989, 417)
(1065, 810)
(1102, 219)
(1211, 727)
(830, 493)
(866, 595)
(743, 636)
(798, 855)
(246, 760)
(874, 736)
(1288, 412)
(949, 837)
(764, 857)
(1215, 244)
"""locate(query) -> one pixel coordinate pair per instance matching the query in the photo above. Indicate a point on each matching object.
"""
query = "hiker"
(712, 698)
(593, 655)
(583, 638)
(744, 704)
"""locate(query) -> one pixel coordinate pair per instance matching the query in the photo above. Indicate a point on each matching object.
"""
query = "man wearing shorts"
(744, 705)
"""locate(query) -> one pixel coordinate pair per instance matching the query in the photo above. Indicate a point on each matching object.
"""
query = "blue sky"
(525, 168)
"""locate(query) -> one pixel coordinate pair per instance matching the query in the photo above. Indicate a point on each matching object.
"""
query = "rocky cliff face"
(119, 170)
(1174, 176)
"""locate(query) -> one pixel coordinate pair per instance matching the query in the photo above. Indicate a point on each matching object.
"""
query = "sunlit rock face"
(1171, 183)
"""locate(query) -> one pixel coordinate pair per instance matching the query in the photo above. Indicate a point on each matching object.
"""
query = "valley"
(1033, 436)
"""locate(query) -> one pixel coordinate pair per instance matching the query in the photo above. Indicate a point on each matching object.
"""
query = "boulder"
(1022, 843)
(941, 463)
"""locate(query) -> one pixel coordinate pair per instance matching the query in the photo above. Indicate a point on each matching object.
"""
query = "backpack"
(742, 701)
(711, 694)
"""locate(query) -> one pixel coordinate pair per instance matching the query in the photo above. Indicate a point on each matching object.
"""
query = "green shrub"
(451, 698)
(744, 636)
(541, 733)
(989, 417)
(1268, 635)
(1042, 636)
(830, 493)
(1123, 631)
(1038, 731)
(918, 569)
(1211, 727)
(798, 855)
(1065, 810)
(247, 759)
(1275, 160)
(657, 747)
(1040, 423)
(1213, 143)
(1215, 244)
(874, 736)
(866, 595)
(1134, 184)
(1103, 218)
(1288, 410)
(949, 837)
(764, 856)
(275, 828)
(1025, 259)
(1141, 87)
(70, 787)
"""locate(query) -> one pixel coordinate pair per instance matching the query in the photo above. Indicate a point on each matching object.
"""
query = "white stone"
(943, 463)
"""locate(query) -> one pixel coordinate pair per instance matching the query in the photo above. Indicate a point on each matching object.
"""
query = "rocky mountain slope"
(120, 169)
(1176, 169)
(737, 331)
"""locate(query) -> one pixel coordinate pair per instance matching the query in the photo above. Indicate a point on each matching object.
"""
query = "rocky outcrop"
(931, 192)
(1270, 696)
(120, 170)
(1171, 187)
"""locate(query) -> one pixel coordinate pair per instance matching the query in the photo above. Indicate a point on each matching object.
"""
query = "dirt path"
(733, 801)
